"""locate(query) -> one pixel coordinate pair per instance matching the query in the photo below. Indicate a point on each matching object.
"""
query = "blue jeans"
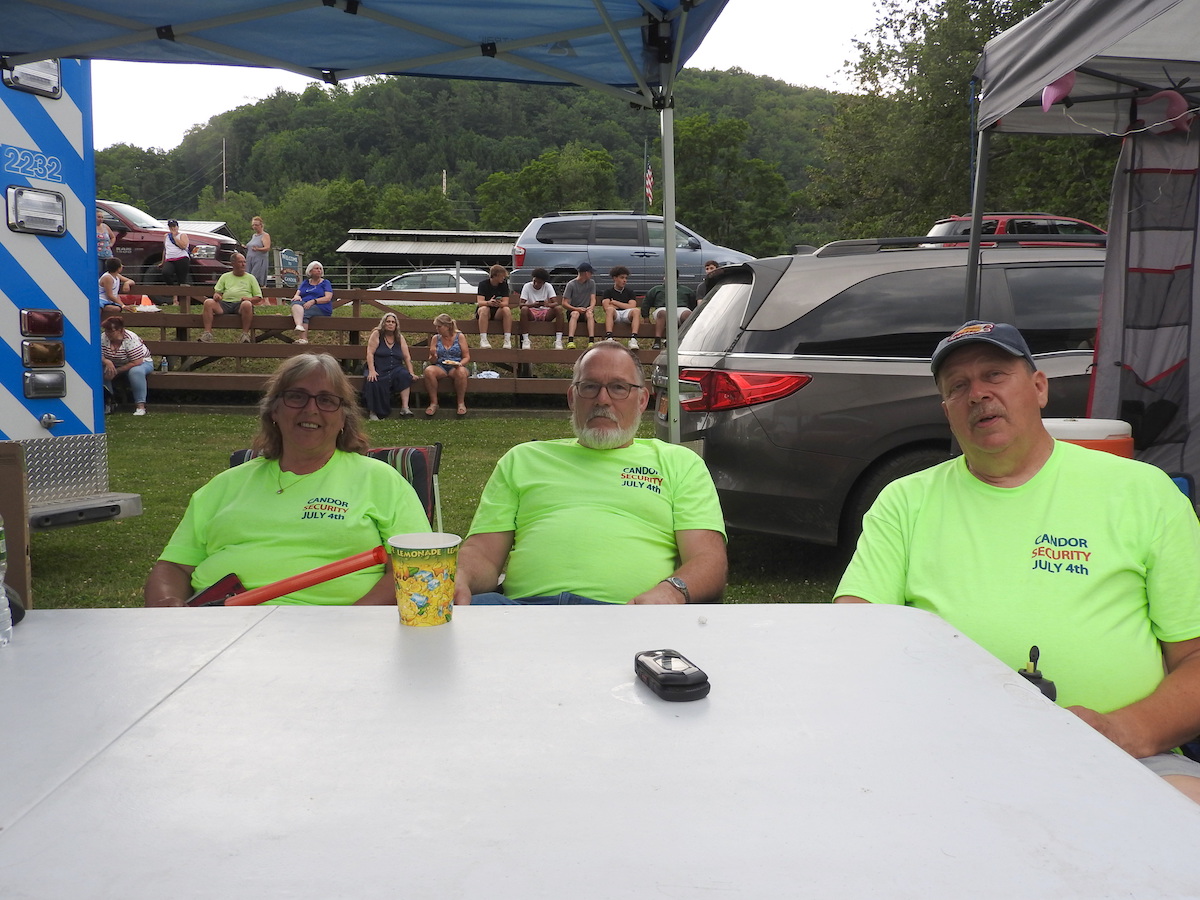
(566, 598)
(137, 380)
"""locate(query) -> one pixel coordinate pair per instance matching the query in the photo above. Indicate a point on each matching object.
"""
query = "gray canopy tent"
(1127, 68)
(631, 49)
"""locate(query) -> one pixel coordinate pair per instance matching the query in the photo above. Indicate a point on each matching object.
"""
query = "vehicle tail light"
(518, 257)
(732, 390)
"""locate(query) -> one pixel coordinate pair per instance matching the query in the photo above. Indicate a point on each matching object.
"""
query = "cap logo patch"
(970, 330)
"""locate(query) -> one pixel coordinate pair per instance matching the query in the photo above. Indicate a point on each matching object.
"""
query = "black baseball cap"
(585, 267)
(998, 334)
(172, 223)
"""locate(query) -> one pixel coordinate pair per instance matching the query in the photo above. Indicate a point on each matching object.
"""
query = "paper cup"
(423, 569)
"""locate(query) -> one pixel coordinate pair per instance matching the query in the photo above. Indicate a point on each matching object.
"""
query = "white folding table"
(844, 752)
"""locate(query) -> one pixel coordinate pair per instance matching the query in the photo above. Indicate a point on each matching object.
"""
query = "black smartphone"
(671, 675)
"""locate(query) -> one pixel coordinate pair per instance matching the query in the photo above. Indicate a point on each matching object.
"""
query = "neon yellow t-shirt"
(600, 523)
(237, 287)
(240, 522)
(1095, 560)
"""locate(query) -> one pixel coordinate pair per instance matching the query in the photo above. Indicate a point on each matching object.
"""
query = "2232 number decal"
(20, 161)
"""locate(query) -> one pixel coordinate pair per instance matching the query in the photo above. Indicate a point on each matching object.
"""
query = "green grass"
(165, 456)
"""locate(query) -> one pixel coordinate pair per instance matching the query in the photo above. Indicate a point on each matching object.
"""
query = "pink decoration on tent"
(1057, 90)
(1169, 109)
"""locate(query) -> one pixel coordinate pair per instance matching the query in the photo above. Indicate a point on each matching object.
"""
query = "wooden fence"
(175, 334)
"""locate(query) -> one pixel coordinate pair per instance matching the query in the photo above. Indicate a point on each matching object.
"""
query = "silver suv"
(559, 242)
(804, 380)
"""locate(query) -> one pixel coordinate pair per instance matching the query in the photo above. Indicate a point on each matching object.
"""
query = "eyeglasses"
(617, 390)
(297, 399)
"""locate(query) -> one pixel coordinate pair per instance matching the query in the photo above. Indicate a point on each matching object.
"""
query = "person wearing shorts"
(539, 303)
(492, 299)
(621, 305)
(580, 299)
(236, 294)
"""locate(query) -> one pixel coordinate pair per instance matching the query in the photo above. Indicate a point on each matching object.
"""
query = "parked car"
(139, 245)
(805, 383)
(1039, 226)
(560, 241)
(437, 281)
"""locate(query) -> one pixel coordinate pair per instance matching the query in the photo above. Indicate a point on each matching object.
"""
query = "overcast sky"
(154, 105)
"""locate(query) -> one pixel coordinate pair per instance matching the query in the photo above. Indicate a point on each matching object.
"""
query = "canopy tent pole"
(973, 252)
(671, 279)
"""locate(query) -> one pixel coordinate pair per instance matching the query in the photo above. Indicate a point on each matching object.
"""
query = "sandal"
(405, 412)
(431, 409)
(462, 410)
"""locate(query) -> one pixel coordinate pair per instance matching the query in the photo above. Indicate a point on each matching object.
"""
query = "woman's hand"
(371, 375)
(110, 371)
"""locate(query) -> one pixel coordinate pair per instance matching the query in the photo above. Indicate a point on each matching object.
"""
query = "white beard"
(602, 438)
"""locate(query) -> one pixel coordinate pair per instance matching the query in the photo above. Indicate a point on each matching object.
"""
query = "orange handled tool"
(252, 597)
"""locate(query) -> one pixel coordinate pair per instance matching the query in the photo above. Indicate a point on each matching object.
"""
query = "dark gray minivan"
(805, 384)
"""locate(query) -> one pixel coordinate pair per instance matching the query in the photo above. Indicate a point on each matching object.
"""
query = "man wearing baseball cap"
(1024, 540)
(579, 299)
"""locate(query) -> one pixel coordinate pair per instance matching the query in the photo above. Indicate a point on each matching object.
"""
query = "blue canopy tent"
(631, 49)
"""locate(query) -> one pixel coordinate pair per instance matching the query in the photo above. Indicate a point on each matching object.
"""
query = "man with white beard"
(604, 518)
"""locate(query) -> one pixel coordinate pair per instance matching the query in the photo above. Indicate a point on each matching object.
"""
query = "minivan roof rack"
(967, 215)
(874, 245)
(592, 212)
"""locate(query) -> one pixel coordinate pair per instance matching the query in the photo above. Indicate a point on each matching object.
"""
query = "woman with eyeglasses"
(312, 497)
(389, 369)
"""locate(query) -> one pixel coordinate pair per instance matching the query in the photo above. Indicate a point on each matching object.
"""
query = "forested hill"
(373, 155)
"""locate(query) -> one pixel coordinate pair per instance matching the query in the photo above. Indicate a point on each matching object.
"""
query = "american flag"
(649, 186)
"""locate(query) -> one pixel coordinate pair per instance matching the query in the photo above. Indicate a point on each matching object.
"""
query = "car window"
(618, 232)
(1030, 226)
(439, 280)
(1056, 308)
(410, 282)
(1063, 226)
(900, 314)
(715, 325)
(574, 231)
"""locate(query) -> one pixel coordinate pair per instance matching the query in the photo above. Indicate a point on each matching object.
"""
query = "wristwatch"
(680, 585)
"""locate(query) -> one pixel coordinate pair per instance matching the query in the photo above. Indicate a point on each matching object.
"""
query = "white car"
(437, 281)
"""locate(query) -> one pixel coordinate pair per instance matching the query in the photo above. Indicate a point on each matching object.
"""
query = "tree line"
(761, 165)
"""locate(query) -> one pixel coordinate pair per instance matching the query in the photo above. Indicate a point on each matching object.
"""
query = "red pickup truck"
(139, 245)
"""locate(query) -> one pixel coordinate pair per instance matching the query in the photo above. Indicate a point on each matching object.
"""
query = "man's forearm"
(1170, 716)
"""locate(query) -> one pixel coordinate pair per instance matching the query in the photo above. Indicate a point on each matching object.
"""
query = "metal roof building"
(376, 247)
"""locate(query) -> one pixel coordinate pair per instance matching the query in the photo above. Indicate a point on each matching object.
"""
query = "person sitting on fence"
(389, 369)
(312, 497)
(539, 303)
(112, 283)
(448, 358)
(710, 266)
(620, 305)
(580, 299)
(123, 353)
(654, 307)
(492, 302)
(314, 297)
(236, 291)
(652, 504)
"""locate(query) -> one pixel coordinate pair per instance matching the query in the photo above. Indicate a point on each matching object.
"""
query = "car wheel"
(876, 478)
(151, 273)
